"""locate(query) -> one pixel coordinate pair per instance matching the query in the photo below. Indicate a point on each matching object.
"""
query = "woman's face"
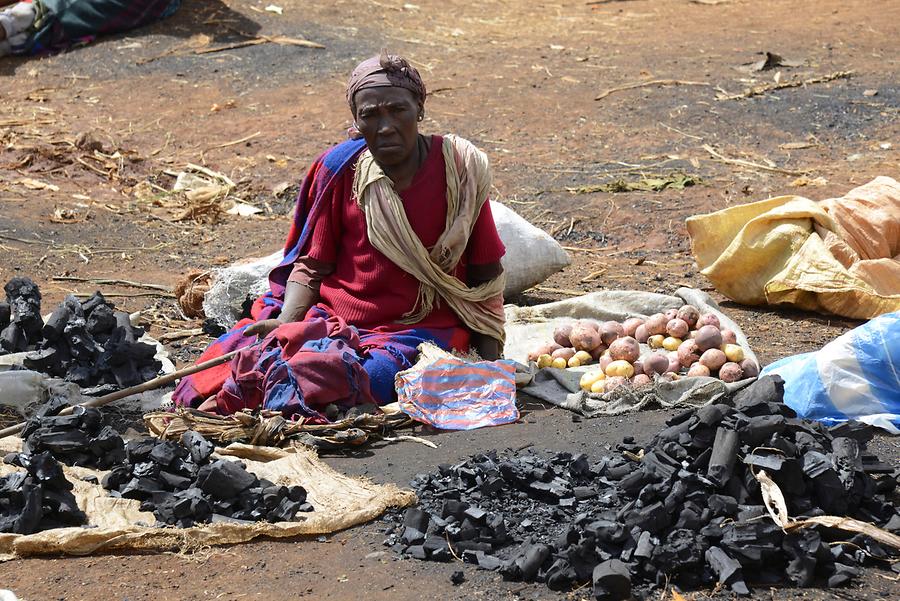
(387, 117)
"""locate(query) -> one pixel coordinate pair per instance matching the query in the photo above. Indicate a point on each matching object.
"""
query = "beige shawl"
(389, 231)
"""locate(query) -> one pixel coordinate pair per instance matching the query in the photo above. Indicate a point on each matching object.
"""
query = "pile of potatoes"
(682, 341)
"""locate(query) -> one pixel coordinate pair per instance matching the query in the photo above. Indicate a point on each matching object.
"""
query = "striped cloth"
(451, 394)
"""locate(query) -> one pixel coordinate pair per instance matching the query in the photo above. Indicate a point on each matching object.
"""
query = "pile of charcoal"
(39, 498)
(183, 487)
(80, 438)
(88, 343)
(685, 509)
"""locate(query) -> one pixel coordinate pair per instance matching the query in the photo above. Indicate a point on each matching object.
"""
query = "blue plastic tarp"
(856, 376)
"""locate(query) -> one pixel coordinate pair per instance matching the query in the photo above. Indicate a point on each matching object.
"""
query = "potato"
(690, 314)
(544, 361)
(588, 379)
(728, 336)
(584, 337)
(677, 328)
(656, 324)
(614, 382)
(708, 337)
(575, 361)
(561, 334)
(620, 368)
(656, 341)
(641, 334)
(750, 368)
(641, 380)
(598, 387)
(604, 361)
(698, 369)
(564, 353)
(638, 367)
(597, 352)
(626, 348)
(671, 314)
(584, 357)
(542, 349)
(713, 359)
(671, 344)
(731, 372)
(610, 331)
(733, 352)
(674, 365)
(688, 353)
(708, 319)
(631, 324)
(559, 363)
(655, 363)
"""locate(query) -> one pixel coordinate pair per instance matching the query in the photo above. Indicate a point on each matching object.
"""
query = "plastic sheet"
(856, 376)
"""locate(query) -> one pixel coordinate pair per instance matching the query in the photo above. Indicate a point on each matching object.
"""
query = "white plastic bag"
(532, 255)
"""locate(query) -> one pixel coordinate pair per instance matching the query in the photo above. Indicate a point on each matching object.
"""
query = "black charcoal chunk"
(223, 479)
(612, 581)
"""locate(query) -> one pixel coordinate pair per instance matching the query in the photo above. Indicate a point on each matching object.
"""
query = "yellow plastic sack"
(839, 256)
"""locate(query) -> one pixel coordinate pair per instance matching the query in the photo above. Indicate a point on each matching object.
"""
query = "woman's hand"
(262, 328)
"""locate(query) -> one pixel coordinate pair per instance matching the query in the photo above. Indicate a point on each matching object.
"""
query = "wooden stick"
(770, 87)
(741, 162)
(233, 142)
(148, 385)
(654, 82)
(129, 283)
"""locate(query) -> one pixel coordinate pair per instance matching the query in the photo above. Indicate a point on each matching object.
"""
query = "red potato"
(631, 324)
(597, 352)
(641, 334)
(604, 362)
(688, 353)
(655, 363)
(674, 365)
(543, 349)
(713, 359)
(690, 314)
(626, 348)
(641, 380)
(563, 353)
(731, 372)
(610, 331)
(677, 328)
(698, 369)
(728, 336)
(708, 319)
(638, 367)
(750, 368)
(561, 334)
(584, 337)
(708, 337)
(656, 324)
(671, 314)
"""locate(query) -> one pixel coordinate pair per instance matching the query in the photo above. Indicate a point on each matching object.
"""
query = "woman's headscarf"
(382, 71)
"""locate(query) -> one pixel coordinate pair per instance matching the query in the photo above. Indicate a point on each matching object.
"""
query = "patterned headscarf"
(382, 71)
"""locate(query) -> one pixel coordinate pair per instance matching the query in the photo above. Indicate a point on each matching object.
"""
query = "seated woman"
(393, 244)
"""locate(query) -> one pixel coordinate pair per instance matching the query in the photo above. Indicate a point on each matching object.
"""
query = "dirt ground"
(517, 78)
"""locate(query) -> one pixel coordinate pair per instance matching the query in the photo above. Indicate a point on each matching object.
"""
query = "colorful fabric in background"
(62, 24)
(452, 394)
(856, 376)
